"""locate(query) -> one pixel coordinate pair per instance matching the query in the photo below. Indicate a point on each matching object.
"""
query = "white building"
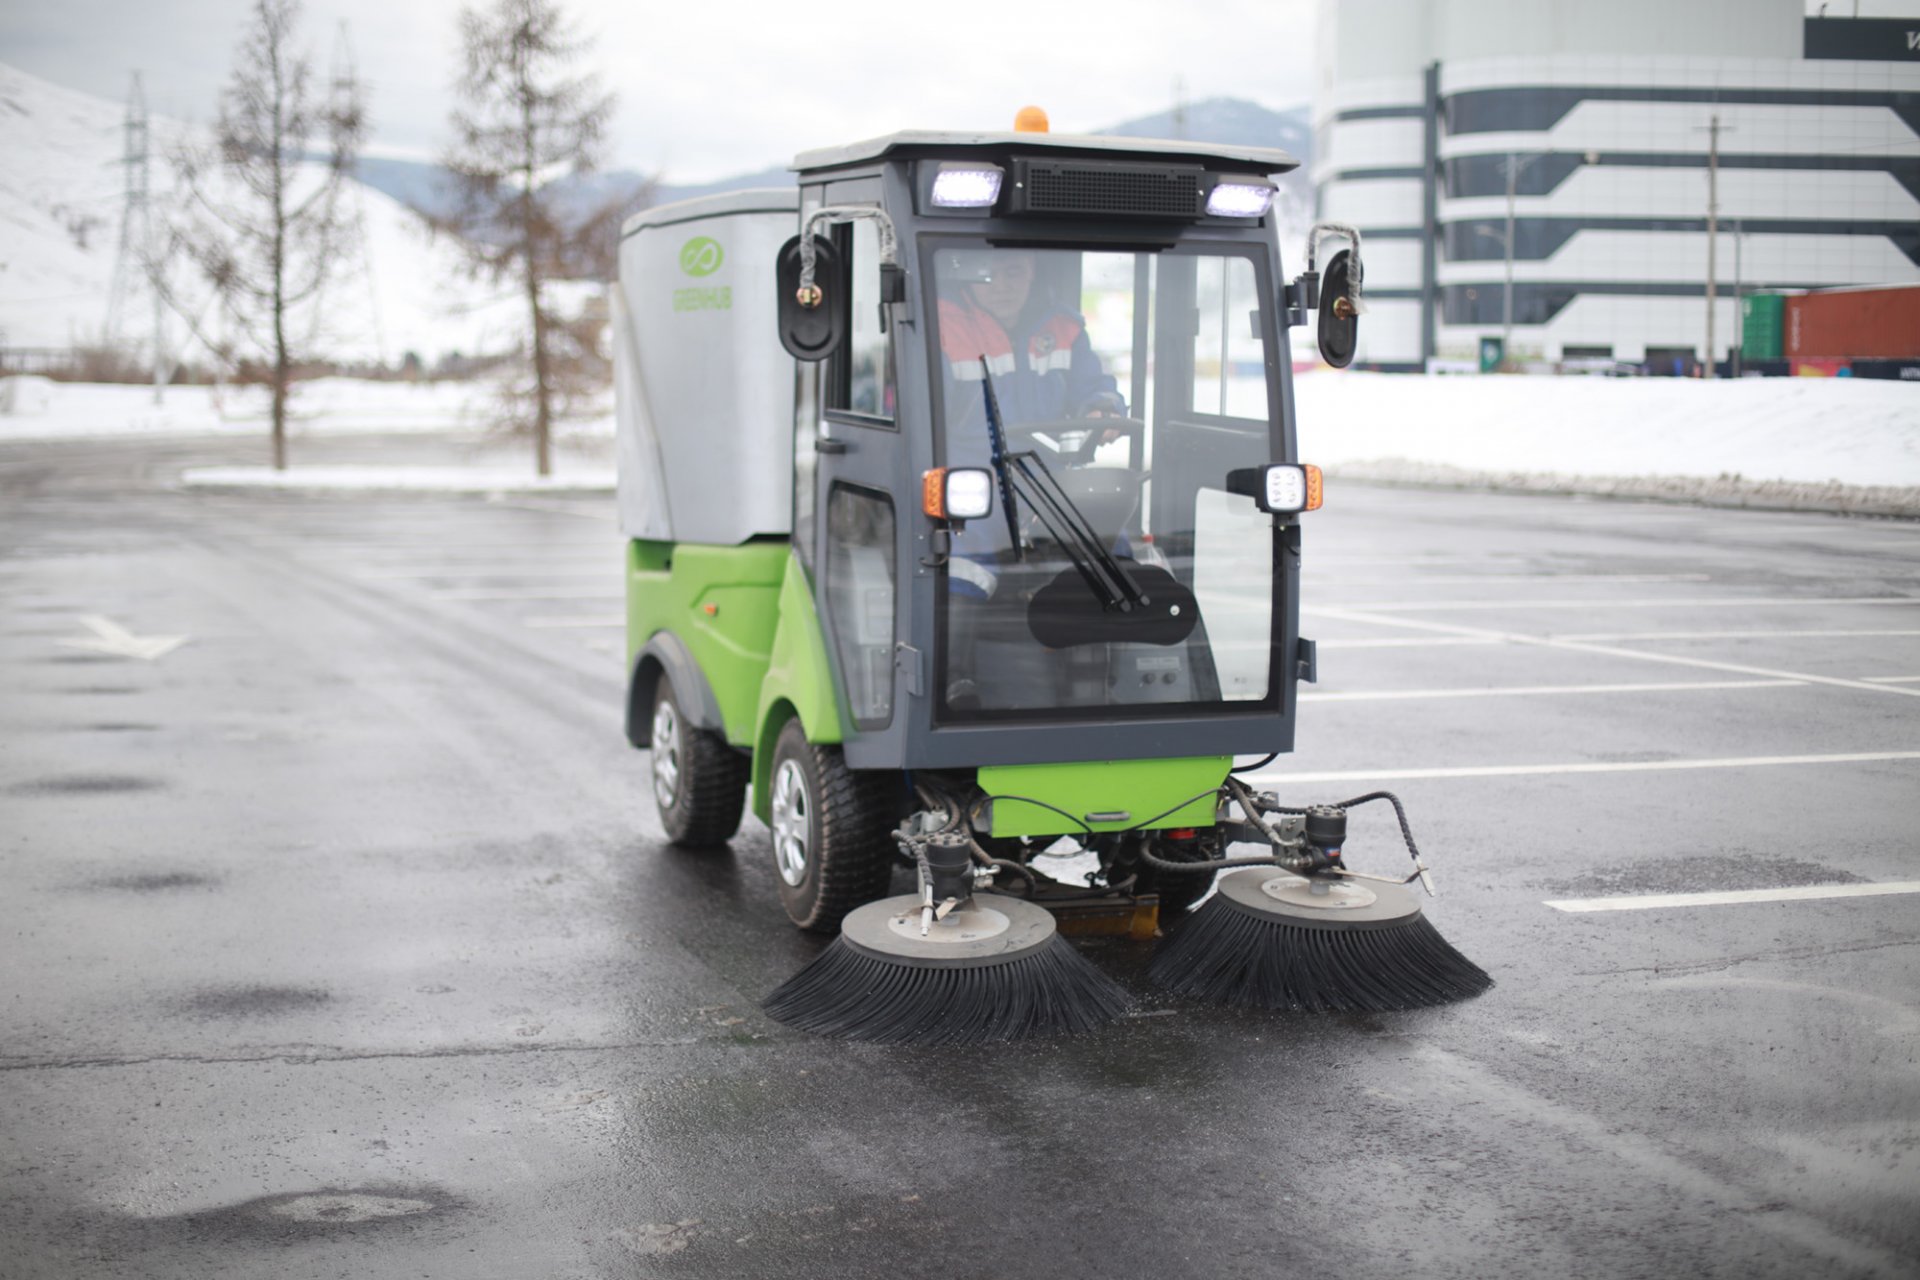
(1606, 114)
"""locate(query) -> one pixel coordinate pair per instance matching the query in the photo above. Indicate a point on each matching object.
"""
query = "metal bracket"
(906, 660)
(889, 241)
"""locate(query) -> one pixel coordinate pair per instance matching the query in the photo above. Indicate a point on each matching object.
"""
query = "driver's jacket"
(1045, 374)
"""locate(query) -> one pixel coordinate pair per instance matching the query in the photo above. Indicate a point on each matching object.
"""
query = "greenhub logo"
(701, 256)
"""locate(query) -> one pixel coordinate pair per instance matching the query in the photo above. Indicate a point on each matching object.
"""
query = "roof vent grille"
(1110, 190)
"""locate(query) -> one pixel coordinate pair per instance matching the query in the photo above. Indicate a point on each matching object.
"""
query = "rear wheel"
(832, 849)
(699, 782)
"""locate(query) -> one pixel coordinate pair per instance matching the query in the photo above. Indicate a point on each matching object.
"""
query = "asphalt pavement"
(339, 938)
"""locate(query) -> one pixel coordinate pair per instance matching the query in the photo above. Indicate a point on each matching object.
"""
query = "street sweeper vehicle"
(964, 525)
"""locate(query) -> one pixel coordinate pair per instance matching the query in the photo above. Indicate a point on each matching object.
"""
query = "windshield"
(1122, 387)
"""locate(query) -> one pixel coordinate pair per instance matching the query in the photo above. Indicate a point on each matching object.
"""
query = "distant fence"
(54, 362)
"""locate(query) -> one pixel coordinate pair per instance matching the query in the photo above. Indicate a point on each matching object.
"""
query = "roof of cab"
(921, 142)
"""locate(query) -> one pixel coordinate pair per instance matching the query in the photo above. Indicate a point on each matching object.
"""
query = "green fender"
(799, 682)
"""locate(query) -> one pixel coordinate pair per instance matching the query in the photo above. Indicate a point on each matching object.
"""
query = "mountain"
(1229, 121)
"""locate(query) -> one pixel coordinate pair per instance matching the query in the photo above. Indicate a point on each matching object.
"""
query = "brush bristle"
(1232, 956)
(858, 995)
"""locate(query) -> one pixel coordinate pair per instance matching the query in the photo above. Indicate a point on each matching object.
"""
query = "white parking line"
(1394, 695)
(1678, 602)
(534, 572)
(583, 622)
(1404, 642)
(1724, 635)
(556, 593)
(1574, 646)
(1605, 766)
(1891, 679)
(1470, 579)
(1729, 897)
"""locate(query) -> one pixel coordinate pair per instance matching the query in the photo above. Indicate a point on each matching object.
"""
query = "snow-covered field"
(1856, 431)
(37, 409)
(1820, 443)
(61, 184)
(43, 410)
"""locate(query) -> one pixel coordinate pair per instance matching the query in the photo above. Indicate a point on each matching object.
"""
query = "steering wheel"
(1094, 428)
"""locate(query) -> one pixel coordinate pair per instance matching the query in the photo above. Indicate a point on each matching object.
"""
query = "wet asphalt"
(341, 939)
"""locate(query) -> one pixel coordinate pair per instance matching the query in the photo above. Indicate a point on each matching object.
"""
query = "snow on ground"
(1857, 431)
(569, 475)
(325, 406)
(1815, 443)
(1826, 444)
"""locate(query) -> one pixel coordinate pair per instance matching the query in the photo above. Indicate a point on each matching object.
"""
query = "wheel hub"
(666, 755)
(992, 929)
(1313, 902)
(791, 821)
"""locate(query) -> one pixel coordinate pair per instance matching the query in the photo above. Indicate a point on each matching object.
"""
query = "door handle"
(826, 444)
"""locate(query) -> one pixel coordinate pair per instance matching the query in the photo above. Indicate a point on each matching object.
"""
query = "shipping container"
(1844, 324)
(1762, 317)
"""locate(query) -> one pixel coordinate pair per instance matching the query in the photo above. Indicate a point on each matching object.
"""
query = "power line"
(137, 254)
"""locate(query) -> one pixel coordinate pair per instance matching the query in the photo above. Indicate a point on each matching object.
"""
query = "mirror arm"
(1355, 274)
(889, 242)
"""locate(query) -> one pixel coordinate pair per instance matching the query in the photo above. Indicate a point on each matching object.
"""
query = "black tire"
(699, 782)
(832, 842)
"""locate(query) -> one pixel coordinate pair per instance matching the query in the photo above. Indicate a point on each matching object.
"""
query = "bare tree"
(263, 228)
(526, 120)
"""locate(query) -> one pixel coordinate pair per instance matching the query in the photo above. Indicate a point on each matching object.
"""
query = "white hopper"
(705, 391)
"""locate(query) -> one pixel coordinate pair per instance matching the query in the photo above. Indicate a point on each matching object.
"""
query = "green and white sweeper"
(964, 521)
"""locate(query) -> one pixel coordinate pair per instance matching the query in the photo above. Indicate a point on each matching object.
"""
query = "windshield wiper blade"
(1110, 583)
(997, 437)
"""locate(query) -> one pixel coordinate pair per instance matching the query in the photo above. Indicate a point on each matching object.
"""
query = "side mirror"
(1339, 314)
(812, 326)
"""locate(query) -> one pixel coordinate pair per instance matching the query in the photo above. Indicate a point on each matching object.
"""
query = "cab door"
(860, 503)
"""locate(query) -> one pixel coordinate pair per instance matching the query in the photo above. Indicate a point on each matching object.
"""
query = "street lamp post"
(1514, 165)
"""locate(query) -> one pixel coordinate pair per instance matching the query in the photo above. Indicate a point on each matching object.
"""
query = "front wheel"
(832, 849)
(699, 782)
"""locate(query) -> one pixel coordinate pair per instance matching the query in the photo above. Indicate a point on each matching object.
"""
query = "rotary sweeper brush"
(964, 534)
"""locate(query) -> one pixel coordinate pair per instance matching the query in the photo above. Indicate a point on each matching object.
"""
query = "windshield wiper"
(1027, 475)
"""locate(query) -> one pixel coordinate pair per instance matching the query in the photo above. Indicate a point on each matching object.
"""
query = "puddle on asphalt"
(309, 1214)
(253, 1001)
(1698, 874)
(84, 784)
(155, 882)
(345, 1207)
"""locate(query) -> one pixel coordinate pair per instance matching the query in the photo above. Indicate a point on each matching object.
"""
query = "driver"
(993, 304)
(1044, 369)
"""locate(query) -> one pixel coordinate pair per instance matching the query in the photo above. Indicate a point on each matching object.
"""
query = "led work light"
(1239, 198)
(957, 493)
(1283, 488)
(967, 186)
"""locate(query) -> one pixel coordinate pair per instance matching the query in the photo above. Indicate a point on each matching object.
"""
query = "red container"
(1854, 324)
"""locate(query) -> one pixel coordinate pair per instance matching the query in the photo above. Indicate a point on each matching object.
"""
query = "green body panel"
(1762, 325)
(669, 588)
(1148, 790)
(798, 682)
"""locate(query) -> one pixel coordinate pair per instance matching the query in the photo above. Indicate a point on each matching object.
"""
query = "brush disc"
(1267, 940)
(995, 970)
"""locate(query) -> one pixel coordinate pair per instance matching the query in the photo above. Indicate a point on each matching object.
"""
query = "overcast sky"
(711, 88)
(726, 86)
